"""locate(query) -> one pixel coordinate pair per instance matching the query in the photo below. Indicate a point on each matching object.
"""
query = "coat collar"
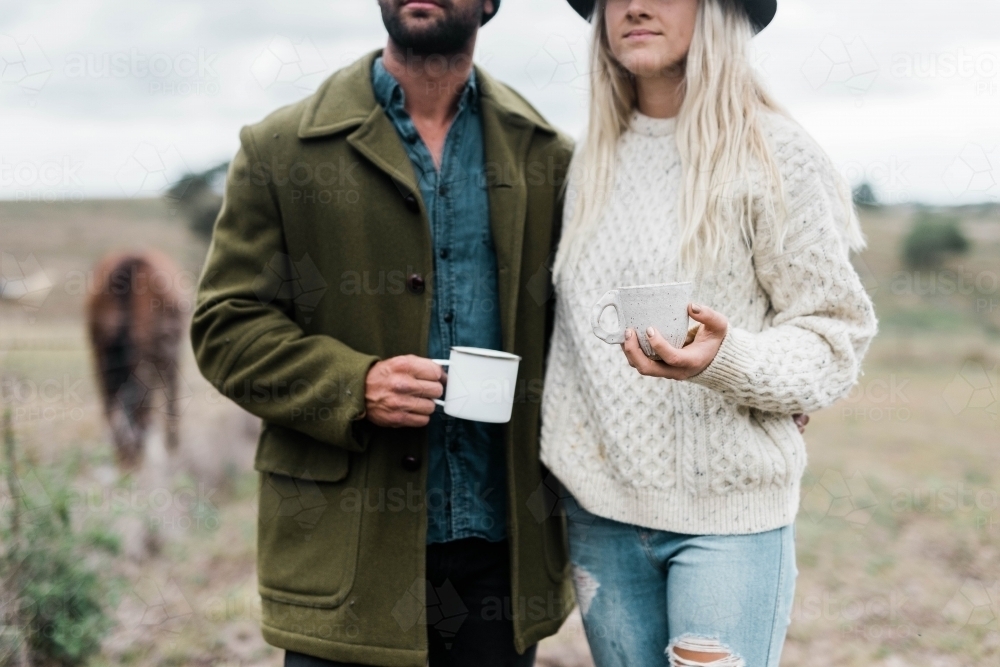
(346, 100)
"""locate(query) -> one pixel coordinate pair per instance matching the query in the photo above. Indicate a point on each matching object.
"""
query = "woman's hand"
(702, 344)
(683, 363)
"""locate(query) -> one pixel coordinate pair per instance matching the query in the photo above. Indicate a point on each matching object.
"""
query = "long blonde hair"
(719, 137)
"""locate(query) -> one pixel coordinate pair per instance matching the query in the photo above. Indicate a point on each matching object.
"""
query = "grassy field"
(898, 538)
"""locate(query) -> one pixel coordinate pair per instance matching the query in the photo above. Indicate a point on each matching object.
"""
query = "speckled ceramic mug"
(638, 307)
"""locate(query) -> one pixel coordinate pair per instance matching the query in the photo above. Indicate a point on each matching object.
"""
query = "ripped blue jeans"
(643, 592)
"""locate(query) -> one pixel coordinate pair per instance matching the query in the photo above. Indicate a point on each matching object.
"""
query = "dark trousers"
(468, 609)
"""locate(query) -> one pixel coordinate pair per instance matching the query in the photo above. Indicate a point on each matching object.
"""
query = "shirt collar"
(389, 93)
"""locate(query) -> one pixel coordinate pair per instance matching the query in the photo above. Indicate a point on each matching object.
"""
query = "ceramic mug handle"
(610, 298)
(440, 362)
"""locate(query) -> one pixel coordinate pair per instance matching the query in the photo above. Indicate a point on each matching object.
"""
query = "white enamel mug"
(481, 384)
(663, 306)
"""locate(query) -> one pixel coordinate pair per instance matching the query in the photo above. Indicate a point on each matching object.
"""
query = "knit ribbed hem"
(728, 369)
(680, 512)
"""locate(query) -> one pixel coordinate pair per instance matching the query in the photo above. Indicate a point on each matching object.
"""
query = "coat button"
(411, 463)
(415, 283)
(411, 203)
(449, 316)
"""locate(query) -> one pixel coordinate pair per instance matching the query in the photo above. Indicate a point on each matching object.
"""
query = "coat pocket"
(293, 453)
(307, 536)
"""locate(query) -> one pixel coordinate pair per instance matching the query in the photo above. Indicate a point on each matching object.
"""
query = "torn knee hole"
(586, 588)
(690, 651)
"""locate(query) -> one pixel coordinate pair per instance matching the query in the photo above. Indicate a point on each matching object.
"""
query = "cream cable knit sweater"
(718, 454)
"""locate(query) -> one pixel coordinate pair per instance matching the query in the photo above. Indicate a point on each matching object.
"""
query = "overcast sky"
(116, 98)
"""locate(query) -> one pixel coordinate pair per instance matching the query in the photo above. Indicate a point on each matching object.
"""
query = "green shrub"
(864, 195)
(931, 239)
(60, 597)
(54, 580)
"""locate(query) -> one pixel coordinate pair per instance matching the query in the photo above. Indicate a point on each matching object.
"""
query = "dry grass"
(898, 538)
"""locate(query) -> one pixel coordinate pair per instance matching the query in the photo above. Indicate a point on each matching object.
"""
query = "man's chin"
(424, 32)
(421, 28)
(428, 42)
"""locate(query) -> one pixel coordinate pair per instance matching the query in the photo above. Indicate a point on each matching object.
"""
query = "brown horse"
(135, 323)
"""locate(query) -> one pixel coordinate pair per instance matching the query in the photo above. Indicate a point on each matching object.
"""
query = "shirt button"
(411, 463)
(411, 203)
(453, 446)
(443, 253)
(449, 316)
(443, 191)
(415, 283)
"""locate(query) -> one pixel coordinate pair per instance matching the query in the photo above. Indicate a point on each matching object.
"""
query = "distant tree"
(932, 237)
(198, 197)
(864, 195)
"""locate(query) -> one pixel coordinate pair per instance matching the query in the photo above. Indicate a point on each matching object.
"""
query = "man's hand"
(680, 364)
(398, 391)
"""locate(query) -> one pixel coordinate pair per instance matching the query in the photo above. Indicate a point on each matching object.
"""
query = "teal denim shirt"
(467, 478)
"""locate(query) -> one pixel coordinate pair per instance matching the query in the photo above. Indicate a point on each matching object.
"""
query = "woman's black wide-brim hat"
(496, 8)
(760, 11)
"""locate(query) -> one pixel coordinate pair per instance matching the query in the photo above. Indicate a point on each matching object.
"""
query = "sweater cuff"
(729, 370)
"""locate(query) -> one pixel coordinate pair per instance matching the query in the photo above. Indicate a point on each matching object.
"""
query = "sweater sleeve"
(823, 321)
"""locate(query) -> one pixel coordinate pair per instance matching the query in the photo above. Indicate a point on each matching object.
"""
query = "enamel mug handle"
(440, 362)
(610, 298)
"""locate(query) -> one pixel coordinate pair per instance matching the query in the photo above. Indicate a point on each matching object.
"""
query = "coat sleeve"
(245, 338)
(823, 321)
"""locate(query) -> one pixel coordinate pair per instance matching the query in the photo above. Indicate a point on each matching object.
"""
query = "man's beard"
(447, 36)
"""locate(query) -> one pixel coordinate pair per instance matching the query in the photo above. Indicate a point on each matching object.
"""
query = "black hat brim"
(496, 8)
(761, 12)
